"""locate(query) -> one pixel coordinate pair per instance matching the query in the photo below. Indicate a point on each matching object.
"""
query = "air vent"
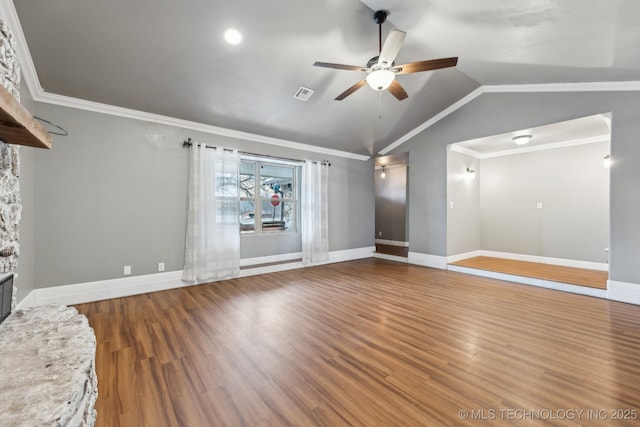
(303, 94)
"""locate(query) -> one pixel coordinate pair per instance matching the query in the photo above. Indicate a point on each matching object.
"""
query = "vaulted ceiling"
(169, 58)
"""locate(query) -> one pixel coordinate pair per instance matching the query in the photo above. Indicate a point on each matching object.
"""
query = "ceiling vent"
(303, 94)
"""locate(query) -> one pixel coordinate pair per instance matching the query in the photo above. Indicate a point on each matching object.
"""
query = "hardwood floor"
(365, 343)
(555, 273)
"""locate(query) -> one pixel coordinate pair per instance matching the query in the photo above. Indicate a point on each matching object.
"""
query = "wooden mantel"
(18, 126)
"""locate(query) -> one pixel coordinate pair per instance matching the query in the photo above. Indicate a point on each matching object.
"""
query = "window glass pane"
(247, 179)
(276, 180)
(247, 216)
(227, 185)
(278, 217)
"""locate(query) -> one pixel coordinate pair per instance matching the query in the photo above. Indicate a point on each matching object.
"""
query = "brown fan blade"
(397, 90)
(340, 66)
(352, 89)
(432, 64)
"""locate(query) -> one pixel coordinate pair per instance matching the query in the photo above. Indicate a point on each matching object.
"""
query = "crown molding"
(8, 12)
(433, 120)
(622, 86)
(515, 151)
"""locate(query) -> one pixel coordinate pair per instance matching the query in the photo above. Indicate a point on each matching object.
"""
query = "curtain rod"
(188, 143)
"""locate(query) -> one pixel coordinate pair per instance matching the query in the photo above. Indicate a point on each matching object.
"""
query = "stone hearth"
(47, 369)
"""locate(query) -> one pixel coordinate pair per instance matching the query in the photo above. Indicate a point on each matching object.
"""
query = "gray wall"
(573, 187)
(391, 204)
(114, 193)
(463, 219)
(26, 261)
(495, 113)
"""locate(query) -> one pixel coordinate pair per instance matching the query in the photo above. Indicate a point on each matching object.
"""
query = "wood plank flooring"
(365, 343)
(555, 273)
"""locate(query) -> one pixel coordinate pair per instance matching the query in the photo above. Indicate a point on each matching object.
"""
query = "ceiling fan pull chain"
(380, 104)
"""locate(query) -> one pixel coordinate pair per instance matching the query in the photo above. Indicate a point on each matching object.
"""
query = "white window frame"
(257, 199)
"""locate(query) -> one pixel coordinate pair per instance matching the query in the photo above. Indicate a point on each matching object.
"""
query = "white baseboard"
(391, 257)
(392, 243)
(269, 259)
(601, 266)
(27, 301)
(116, 288)
(460, 257)
(426, 260)
(582, 290)
(623, 292)
(351, 254)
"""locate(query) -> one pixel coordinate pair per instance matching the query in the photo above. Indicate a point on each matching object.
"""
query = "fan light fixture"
(232, 36)
(380, 79)
(522, 139)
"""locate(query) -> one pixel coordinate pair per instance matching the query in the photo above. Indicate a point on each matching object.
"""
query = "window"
(268, 196)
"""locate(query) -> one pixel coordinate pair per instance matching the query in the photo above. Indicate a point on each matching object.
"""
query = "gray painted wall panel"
(391, 201)
(496, 113)
(463, 220)
(114, 193)
(573, 187)
(26, 261)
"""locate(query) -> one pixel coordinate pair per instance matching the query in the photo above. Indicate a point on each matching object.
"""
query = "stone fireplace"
(10, 205)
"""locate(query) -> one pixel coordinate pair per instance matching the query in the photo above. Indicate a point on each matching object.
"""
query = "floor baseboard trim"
(623, 292)
(122, 287)
(582, 290)
(391, 257)
(392, 243)
(27, 301)
(600, 266)
(426, 260)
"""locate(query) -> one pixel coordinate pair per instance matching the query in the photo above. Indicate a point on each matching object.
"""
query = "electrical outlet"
(379, 233)
(161, 266)
(127, 270)
(539, 205)
(450, 205)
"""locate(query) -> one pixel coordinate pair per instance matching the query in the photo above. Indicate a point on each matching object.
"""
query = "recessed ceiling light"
(232, 36)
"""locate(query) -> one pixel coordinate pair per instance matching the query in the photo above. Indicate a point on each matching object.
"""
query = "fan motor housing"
(380, 17)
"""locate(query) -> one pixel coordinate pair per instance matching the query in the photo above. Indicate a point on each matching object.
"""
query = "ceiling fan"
(381, 70)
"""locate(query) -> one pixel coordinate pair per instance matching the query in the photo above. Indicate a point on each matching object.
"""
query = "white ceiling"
(169, 58)
(584, 130)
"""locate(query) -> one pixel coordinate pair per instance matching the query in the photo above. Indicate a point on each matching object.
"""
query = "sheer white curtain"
(314, 213)
(212, 249)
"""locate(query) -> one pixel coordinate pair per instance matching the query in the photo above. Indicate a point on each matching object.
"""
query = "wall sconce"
(383, 174)
(607, 161)
(470, 174)
(522, 139)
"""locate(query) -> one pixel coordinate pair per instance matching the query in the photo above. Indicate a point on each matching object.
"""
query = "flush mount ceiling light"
(522, 139)
(232, 36)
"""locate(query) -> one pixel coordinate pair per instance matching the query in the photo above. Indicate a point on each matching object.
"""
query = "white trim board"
(391, 257)
(392, 243)
(8, 11)
(551, 146)
(426, 260)
(582, 290)
(600, 266)
(623, 86)
(623, 292)
(122, 287)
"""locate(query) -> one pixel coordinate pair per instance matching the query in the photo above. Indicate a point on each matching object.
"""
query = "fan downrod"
(380, 17)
